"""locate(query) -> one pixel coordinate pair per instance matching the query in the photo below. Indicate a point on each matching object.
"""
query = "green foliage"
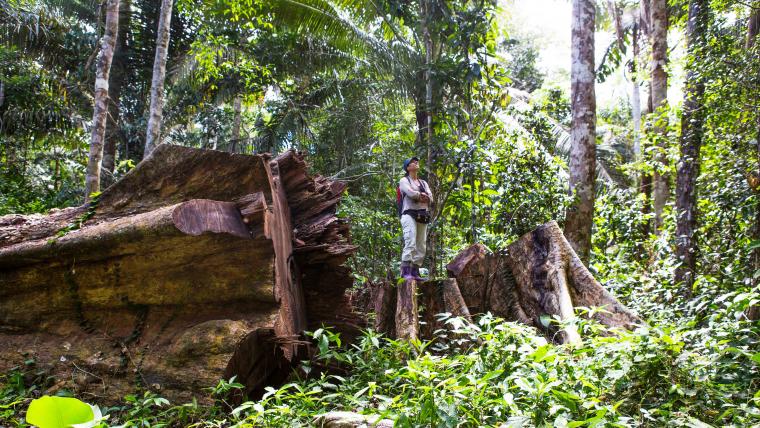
(494, 372)
(58, 412)
(523, 70)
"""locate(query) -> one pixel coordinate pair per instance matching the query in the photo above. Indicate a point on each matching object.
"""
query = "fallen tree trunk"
(196, 261)
(538, 277)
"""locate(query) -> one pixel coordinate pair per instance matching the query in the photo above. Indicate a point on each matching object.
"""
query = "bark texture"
(103, 69)
(583, 134)
(636, 93)
(659, 38)
(411, 309)
(153, 134)
(115, 85)
(538, 277)
(691, 141)
(195, 262)
(753, 27)
(407, 315)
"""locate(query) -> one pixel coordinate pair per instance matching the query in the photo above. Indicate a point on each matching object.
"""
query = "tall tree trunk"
(580, 215)
(427, 17)
(645, 181)
(618, 18)
(107, 45)
(153, 135)
(691, 141)
(659, 37)
(237, 108)
(636, 94)
(116, 81)
(753, 27)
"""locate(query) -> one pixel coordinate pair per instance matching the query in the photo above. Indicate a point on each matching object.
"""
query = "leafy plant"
(63, 412)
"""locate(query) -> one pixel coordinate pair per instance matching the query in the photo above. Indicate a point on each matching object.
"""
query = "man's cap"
(408, 161)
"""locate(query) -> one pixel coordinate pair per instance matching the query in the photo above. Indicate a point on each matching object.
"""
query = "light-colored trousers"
(414, 240)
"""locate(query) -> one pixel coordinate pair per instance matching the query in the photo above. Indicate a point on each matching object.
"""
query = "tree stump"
(440, 297)
(407, 317)
(538, 276)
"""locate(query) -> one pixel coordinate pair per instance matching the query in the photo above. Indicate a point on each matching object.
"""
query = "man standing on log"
(415, 215)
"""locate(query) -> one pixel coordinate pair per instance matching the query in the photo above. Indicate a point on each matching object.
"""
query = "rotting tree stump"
(537, 277)
(198, 264)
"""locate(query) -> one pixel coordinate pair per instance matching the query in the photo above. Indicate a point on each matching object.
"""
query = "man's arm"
(406, 188)
(428, 193)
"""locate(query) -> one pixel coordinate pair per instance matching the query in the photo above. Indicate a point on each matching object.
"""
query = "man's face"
(413, 166)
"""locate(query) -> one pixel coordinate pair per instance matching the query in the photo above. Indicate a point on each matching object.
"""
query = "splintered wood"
(243, 250)
(537, 277)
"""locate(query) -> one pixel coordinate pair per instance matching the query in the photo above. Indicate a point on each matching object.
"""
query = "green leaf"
(545, 320)
(58, 412)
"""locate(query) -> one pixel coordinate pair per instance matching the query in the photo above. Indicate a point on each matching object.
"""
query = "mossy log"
(178, 267)
(537, 277)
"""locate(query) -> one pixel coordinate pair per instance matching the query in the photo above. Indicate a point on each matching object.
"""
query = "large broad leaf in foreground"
(58, 412)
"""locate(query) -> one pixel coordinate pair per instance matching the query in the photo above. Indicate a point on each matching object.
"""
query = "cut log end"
(538, 277)
(189, 240)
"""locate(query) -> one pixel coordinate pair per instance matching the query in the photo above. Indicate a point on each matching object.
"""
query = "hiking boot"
(416, 273)
(406, 271)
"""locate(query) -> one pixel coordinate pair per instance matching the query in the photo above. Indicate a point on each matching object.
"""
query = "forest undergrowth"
(696, 366)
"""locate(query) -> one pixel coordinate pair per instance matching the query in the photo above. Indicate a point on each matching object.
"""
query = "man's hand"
(424, 197)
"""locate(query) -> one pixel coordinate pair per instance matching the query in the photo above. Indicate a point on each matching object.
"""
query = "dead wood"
(196, 260)
(539, 276)
(407, 317)
(440, 297)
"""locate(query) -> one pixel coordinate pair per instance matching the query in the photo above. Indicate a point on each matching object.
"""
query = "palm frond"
(607, 165)
(333, 22)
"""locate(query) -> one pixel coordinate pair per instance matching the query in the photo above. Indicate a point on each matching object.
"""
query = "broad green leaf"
(58, 412)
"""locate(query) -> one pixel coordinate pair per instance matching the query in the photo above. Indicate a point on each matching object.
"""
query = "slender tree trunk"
(645, 181)
(753, 27)
(237, 107)
(659, 37)
(427, 17)
(57, 173)
(107, 45)
(691, 141)
(116, 81)
(645, 12)
(153, 135)
(580, 215)
(636, 94)
(617, 16)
